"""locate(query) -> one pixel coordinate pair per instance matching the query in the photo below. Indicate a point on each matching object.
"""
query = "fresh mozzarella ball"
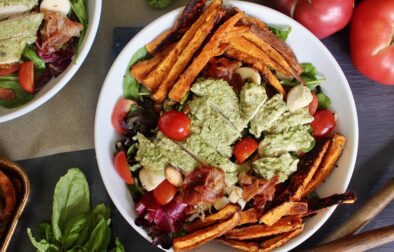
(62, 6)
(248, 73)
(150, 180)
(299, 97)
(174, 176)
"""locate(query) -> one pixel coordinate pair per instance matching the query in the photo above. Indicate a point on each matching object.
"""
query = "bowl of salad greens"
(42, 45)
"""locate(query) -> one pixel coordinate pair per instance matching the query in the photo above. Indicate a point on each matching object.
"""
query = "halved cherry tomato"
(6, 69)
(122, 107)
(245, 148)
(26, 76)
(323, 124)
(175, 125)
(122, 167)
(164, 192)
(313, 105)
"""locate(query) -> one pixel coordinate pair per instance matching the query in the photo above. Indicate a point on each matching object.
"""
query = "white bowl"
(307, 48)
(56, 84)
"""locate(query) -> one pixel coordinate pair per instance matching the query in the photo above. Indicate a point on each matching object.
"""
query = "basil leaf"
(79, 8)
(73, 229)
(71, 198)
(281, 32)
(324, 101)
(42, 245)
(131, 87)
(100, 237)
(45, 232)
(21, 97)
(30, 53)
(118, 246)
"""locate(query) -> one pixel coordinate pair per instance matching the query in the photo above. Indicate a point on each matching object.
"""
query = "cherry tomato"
(175, 125)
(6, 69)
(122, 167)
(164, 192)
(313, 105)
(372, 40)
(323, 124)
(26, 76)
(245, 148)
(122, 107)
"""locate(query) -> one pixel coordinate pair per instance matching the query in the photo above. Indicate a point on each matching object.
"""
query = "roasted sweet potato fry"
(327, 164)
(315, 205)
(307, 169)
(286, 209)
(279, 240)
(240, 245)
(154, 44)
(205, 235)
(211, 49)
(8, 192)
(286, 224)
(249, 216)
(249, 20)
(156, 77)
(187, 54)
(223, 214)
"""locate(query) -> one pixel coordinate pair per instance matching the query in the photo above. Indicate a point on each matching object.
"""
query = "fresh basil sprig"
(75, 227)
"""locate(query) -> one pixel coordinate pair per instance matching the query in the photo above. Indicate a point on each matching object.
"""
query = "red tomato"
(313, 105)
(122, 107)
(122, 167)
(245, 148)
(175, 125)
(26, 76)
(372, 40)
(6, 69)
(164, 192)
(323, 124)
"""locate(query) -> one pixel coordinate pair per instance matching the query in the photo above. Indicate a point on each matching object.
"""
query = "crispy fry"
(249, 216)
(240, 245)
(307, 169)
(8, 193)
(259, 65)
(315, 205)
(205, 235)
(213, 48)
(327, 164)
(154, 44)
(285, 224)
(279, 240)
(249, 21)
(223, 214)
(155, 78)
(285, 209)
(187, 54)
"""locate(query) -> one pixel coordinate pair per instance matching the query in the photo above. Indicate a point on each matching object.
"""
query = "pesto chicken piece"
(252, 98)
(149, 156)
(11, 49)
(9, 8)
(291, 119)
(282, 166)
(21, 26)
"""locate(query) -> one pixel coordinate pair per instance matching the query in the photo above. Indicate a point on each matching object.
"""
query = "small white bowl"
(307, 48)
(56, 84)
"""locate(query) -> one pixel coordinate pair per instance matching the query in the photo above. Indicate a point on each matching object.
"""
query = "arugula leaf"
(79, 8)
(42, 245)
(324, 101)
(21, 97)
(310, 77)
(30, 53)
(159, 4)
(100, 237)
(71, 198)
(281, 32)
(118, 246)
(131, 87)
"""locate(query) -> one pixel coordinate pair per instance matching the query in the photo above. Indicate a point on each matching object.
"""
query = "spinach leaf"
(159, 4)
(30, 53)
(71, 198)
(310, 77)
(45, 232)
(131, 87)
(99, 238)
(281, 32)
(42, 245)
(324, 101)
(79, 8)
(118, 246)
(21, 97)
(73, 229)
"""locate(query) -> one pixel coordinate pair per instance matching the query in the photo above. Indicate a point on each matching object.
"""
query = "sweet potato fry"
(223, 214)
(315, 205)
(240, 245)
(205, 235)
(249, 20)
(154, 44)
(279, 240)
(307, 169)
(249, 216)
(259, 65)
(187, 54)
(285, 209)
(156, 77)
(211, 49)
(327, 164)
(286, 224)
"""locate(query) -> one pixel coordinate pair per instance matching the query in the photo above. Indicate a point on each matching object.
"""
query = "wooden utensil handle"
(367, 212)
(358, 242)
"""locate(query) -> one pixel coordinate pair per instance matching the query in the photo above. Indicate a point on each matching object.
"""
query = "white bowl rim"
(71, 70)
(324, 215)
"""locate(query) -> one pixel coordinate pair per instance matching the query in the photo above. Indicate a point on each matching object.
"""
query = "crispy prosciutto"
(203, 187)
(258, 189)
(58, 30)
